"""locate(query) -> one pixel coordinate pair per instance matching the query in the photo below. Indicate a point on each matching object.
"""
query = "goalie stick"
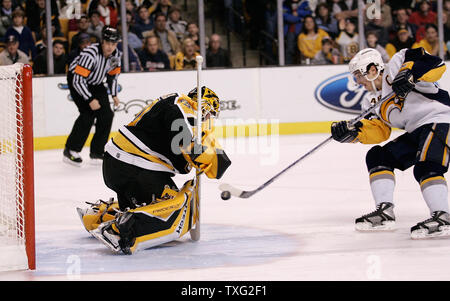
(195, 232)
(246, 194)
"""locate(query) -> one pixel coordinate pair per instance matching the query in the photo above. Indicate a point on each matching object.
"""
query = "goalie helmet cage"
(17, 234)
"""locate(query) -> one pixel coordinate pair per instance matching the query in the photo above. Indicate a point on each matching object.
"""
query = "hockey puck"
(225, 195)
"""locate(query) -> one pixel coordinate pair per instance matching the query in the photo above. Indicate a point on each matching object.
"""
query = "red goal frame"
(25, 117)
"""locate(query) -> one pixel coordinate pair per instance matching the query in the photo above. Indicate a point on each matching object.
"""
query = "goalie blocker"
(139, 164)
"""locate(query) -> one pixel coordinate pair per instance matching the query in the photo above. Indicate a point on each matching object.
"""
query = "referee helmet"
(110, 34)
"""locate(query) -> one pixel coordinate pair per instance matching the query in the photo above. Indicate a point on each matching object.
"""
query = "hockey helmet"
(110, 34)
(363, 60)
(210, 101)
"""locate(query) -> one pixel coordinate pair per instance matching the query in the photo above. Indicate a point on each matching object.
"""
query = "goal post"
(17, 223)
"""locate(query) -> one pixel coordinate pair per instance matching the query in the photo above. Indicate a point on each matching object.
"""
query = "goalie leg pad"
(165, 220)
(97, 213)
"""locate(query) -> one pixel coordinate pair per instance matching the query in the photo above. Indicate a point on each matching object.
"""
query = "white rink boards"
(299, 228)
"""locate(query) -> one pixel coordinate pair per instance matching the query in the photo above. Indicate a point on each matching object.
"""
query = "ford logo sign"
(341, 93)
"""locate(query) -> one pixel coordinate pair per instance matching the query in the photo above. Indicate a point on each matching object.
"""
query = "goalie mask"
(210, 101)
(363, 60)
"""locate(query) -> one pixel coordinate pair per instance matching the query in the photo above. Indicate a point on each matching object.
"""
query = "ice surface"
(301, 227)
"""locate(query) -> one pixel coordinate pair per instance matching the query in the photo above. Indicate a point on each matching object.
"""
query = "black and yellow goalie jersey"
(161, 136)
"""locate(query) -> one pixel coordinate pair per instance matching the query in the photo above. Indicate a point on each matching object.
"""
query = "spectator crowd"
(160, 36)
(326, 32)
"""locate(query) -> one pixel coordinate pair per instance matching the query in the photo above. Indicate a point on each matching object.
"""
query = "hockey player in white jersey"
(420, 108)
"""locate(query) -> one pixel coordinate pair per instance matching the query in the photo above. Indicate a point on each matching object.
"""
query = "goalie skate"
(382, 219)
(436, 226)
(107, 236)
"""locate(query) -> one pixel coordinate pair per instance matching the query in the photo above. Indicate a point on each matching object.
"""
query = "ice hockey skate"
(382, 219)
(72, 157)
(436, 226)
(107, 236)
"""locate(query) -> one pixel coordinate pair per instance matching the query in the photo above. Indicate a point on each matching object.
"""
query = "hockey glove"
(403, 83)
(343, 131)
(208, 157)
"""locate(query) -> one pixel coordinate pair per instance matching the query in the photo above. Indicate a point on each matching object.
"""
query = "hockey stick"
(246, 194)
(195, 232)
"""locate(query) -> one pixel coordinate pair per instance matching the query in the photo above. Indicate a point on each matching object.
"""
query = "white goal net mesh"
(12, 214)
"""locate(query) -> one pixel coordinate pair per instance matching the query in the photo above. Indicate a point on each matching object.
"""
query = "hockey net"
(16, 169)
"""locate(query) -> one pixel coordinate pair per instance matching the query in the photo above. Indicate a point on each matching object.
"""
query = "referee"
(86, 78)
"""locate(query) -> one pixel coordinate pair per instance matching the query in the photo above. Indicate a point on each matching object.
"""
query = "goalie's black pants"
(102, 117)
(134, 185)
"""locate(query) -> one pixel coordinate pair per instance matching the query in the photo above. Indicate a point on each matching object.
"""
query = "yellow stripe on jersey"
(183, 102)
(188, 106)
(389, 105)
(126, 145)
(434, 74)
(373, 131)
(142, 113)
(407, 65)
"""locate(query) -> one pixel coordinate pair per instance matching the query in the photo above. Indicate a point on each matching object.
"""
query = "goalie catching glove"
(209, 157)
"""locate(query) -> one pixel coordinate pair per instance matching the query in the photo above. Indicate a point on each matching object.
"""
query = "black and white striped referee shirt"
(90, 67)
